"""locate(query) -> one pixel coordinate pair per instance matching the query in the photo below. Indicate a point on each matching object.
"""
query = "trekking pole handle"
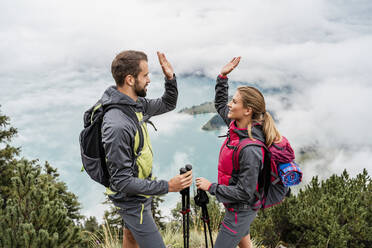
(188, 167)
(183, 170)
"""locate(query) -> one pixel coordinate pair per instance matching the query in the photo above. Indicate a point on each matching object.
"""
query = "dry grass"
(106, 239)
(173, 238)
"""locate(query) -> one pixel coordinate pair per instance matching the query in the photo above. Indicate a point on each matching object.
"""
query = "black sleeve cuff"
(173, 80)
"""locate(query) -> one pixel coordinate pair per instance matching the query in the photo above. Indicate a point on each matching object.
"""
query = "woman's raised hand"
(230, 66)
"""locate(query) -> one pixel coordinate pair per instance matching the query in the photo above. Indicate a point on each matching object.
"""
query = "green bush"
(334, 213)
(35, 214)
(36, 208)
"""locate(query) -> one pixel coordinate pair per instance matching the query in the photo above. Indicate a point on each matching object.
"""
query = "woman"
(246, 117)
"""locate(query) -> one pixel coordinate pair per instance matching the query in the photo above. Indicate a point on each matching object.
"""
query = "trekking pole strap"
(184, 212)
(205, 220)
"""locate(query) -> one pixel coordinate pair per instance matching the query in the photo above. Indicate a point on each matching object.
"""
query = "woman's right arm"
(221, 98)
(222, 90)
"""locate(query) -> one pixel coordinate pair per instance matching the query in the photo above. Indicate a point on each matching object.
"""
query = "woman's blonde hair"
(254, 99)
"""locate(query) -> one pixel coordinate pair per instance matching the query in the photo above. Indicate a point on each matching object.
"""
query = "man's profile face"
(142, 80)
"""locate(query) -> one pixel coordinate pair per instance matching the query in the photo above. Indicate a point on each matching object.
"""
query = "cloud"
(89, 33)
(331, 114)
(168, 124)
(56, 58)
(336, 161)
(92, 202)
(180, 159)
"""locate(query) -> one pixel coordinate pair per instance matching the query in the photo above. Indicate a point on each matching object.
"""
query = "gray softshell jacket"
(118, 136)
(240, 193)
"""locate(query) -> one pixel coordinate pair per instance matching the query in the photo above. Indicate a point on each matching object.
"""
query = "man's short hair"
(126, 63)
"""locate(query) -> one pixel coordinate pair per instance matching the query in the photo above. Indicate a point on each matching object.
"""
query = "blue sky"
(56, 55)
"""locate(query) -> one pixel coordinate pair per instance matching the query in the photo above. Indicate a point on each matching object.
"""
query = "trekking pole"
(205, 228)
(201, 199)
(209, 226)
(183, 211)
(186, 209)
(188, 168)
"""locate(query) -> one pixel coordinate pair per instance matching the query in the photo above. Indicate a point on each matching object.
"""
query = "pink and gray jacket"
(241, 189)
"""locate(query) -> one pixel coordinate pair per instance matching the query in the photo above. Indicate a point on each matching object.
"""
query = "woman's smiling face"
(236, 109)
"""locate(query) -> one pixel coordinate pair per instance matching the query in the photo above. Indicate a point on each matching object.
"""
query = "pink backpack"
(279, 172)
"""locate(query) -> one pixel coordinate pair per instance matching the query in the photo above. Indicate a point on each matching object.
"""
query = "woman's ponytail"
(254, 99)
(271, 133)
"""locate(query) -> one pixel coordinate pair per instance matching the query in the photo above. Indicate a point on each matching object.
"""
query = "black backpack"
(91, 147)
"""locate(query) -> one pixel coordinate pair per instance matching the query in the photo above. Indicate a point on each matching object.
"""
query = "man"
(131, 186)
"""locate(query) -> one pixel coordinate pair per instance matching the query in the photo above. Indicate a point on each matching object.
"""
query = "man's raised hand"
(230, 66)
(165, 66)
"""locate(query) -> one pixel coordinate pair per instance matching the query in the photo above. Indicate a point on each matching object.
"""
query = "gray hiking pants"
(141, 224)
(235, 225)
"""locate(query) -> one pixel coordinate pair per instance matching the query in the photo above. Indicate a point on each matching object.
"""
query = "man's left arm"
(168, 101)
(165, 103)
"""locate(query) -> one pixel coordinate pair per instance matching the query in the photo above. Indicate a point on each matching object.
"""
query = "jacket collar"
(242, 133)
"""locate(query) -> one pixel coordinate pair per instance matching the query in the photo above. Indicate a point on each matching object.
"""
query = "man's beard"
(140, 92)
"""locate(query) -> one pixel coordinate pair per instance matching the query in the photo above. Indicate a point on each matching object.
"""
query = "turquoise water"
(48, 111)
(189, 145)
(48, 114)
(200, 147)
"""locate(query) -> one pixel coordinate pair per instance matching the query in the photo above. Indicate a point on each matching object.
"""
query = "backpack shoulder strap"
(146, 118)
(243, 144)
(131, 114)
